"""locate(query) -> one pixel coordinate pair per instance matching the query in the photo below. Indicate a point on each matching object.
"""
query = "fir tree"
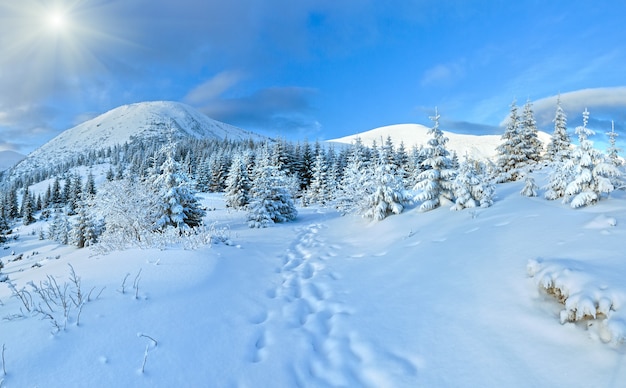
(592, 173)
(27, 210)
(559, 148)
(180, 207)
(531, 145)
(388, 195)
(520, 146)
(237, 194)
(471, 186)
(356, 183)
(613, 151)
(530, 187)
(319, 190)
(271, 200)
(437, 179)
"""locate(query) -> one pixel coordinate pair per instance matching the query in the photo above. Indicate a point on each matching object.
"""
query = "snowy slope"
(436, 299)
(476, 146)
(132, 122)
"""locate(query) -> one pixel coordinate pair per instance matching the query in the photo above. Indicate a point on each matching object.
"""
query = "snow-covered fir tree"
(271, 200)
(613, 150)
(592, 172)
(356, 181)
(558, 179)
(531, 145)
(436, 182)
(180, 207)
(388, 195)
(28, 208)
(238, 183)
(472, 187)
(560, 145)
(530, 187)
(319, 191)
(85, 230)
(519, 148)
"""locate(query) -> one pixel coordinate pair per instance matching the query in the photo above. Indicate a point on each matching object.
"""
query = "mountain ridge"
(475, 146)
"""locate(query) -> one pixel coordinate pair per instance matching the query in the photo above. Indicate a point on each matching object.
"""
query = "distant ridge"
(475, 146)
(130, 123)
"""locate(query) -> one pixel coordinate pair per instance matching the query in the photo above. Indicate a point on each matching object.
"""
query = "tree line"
(151, 183)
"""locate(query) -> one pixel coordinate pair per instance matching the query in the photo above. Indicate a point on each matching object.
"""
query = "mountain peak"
(128, 123)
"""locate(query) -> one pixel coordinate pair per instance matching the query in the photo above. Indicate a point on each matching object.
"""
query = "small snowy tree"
(271, 201)
(437, 179)
(560, 145)
(471, 186)
(238, 183)
(592, 173)
(558, 179)
(388, 195)
(180, 207)
(130, 210)
(319, 190)
(613, 150)
(530, 187)
(356, 181)
(520, 146)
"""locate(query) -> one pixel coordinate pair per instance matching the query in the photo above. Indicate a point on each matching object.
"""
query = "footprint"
(258, 347)
(298, 313)
(315, 291)
(271, 293)
(308, 271)
(259, 318)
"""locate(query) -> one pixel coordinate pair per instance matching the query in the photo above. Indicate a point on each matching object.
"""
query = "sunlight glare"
(56, 20)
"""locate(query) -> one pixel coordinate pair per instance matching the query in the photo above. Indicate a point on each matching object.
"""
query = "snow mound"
(601, 222)
(587, 296)
(475, 146)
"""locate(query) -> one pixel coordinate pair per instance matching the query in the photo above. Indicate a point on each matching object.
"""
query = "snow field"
(420, 299)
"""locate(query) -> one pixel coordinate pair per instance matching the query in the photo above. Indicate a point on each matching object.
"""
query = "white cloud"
(214, 87)
(605, 103)
(443, 74)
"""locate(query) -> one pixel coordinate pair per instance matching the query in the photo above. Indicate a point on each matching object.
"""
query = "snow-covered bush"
(130, 210)
(530, 187)
(584, 297)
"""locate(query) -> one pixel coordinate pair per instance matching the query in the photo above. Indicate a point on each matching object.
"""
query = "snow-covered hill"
(9, 158)
(476, 146)
(132, 123)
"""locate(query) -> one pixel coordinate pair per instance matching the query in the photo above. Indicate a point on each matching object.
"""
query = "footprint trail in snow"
(330, 353)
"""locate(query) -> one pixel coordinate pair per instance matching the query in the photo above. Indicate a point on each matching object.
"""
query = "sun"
(57, 21)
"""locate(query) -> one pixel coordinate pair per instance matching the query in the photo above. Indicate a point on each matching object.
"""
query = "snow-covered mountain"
(476, 146)
(130, 123)
(9, 158)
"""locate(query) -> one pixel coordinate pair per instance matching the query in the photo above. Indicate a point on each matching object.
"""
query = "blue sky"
(310, 69)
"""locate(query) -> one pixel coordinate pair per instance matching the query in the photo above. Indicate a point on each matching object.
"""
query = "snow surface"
(128, 122)
(442, 298)
(476, 146)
